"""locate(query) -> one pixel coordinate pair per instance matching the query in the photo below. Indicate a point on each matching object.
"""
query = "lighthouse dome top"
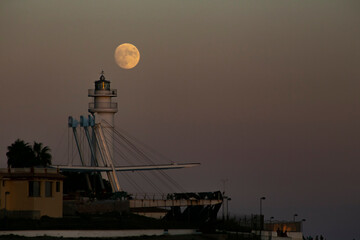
(102, 77)
(102, 83)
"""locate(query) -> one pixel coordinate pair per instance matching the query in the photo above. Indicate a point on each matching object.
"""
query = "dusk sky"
(262, 93)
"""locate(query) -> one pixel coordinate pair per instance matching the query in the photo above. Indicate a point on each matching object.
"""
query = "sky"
(261, 93)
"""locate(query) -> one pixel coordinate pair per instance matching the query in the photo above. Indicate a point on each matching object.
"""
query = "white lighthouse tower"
(103, 109)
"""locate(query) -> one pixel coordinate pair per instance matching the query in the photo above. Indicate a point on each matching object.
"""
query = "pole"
(260, 217)
(302, 225)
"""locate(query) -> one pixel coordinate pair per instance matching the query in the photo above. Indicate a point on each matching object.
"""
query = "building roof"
(30, 173)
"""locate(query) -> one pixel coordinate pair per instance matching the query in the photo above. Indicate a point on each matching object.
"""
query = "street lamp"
(262, 198)
(302, 228)
(271, 218)
(260, 218)
(295, 215)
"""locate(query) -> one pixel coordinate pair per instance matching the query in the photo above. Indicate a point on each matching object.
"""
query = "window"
(34, 189)
(57, 186)
(48, 189)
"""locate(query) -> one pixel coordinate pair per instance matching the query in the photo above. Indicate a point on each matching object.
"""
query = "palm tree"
(20, 155)
(42, 154)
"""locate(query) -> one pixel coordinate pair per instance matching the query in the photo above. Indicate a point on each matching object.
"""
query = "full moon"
(127, 56)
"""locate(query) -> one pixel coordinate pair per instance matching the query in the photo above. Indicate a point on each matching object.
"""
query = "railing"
(142, 200)
(103, 105)
(250, 222)
(111, 92)
(177, 196)
(289, 226)
(155, 196)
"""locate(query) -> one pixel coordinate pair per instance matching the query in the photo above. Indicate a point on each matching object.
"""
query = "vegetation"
(21, 155)
(42, 154)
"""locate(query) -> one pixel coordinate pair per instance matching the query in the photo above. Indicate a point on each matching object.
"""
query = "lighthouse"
(101, 140)
(103, 109)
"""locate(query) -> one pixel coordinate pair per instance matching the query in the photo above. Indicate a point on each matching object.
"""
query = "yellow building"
(31, 193)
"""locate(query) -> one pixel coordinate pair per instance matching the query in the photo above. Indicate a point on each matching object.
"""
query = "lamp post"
(261, 222)
(271, 223)
(262, 198)
(295, 215)
(302, 228)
